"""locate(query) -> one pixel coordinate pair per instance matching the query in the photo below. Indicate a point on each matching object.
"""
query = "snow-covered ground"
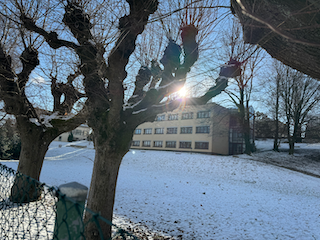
(197, 196)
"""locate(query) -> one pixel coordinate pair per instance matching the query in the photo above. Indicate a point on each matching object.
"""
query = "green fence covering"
(32, 210)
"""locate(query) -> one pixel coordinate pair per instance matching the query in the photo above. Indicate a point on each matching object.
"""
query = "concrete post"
(69, 223)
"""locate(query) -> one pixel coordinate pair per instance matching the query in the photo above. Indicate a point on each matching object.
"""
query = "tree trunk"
(244, 123)
(276, 134)
(291, 139)
(35, 141)
(33, 150)
(102, 190)
(247, 144)
(291, 145)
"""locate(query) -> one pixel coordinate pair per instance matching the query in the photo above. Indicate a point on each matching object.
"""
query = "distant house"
(208, 128)
(80, 133)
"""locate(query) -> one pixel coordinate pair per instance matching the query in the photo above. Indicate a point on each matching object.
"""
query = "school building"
(209, 128)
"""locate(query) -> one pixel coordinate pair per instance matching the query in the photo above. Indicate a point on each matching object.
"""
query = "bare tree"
(37, 127)
(272, 99)
(103, 61)
(249, 58)
(299, 94)
(312, 132)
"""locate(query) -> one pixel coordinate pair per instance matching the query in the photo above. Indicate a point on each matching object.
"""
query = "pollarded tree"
(37, 127)
(112, 117)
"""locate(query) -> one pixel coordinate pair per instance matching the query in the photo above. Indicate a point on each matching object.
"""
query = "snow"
(139, 111)
(198, 196)
(168, 84)
(28, 221)
(46, 119)
(130, 105)
(35, 121)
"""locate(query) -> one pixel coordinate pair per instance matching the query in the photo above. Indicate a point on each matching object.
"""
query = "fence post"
(69, 222)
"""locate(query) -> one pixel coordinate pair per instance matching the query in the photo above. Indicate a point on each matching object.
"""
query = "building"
(208, 128)
(80, 133)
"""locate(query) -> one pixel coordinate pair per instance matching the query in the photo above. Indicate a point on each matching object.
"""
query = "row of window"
(80, 132)
(188, 115)
(173, 130)
(172, 144)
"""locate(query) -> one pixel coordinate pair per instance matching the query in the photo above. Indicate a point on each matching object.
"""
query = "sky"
(201, 77)
(199, 196)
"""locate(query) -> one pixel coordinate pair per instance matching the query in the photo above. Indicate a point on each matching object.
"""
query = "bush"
(70, 137)
(10, 143)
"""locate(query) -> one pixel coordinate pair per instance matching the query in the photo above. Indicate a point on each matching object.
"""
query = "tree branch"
(13, 94)
(130, 27)
(71, 95)
(139, 114)
(65, 124)
(51, 38)
(30, 61)
(275, 29)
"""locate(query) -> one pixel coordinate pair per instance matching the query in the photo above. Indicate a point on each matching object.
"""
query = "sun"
(182, 93)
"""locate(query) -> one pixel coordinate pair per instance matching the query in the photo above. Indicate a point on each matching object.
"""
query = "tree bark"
(34, 145)
(102, 191)
(35, 141)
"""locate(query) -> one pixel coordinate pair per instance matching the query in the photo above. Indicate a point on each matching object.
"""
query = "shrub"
(70, 137)
(10, 143)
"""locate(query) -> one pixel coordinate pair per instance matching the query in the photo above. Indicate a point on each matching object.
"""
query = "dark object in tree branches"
(190, 46)
(171, 55)
(231, 69)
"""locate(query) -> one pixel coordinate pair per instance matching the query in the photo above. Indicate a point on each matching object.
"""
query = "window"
(188, 115)
(173, 117)
(137, 131)
(234, 121)
(161, 117)
(185, 145)
(203, 129)
(203, 114)
(147, 131)
(171, 144)
(186, 130)
(146, 143)
(77, 132)
(158, 131)
(236, 136)
(135, 143)
(157, 143)
(172, 130)
(201, 145)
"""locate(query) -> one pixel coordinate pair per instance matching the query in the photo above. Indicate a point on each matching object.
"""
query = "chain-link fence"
(32, 210)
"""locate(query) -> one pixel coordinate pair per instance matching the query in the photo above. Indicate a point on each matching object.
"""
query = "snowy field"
(196, 196)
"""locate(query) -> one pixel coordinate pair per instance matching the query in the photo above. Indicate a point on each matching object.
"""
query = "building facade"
(80, 133)
(208, 128)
